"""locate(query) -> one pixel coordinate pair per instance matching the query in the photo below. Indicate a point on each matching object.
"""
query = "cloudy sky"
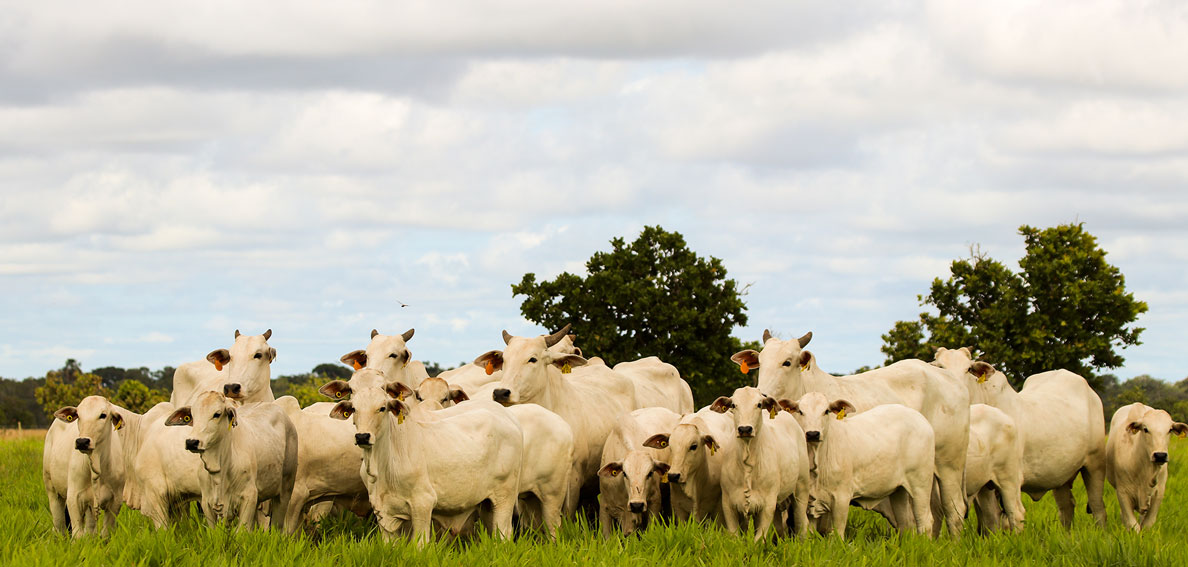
(171, 171)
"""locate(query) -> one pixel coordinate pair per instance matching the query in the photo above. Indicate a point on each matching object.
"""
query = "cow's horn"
(556, 337)
(804, 341)
(507, 337)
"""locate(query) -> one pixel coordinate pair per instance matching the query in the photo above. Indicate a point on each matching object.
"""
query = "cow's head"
(435, 393)
(640, 475)
(528, 365)
(814, 412)
(779, 363)
(373, 410)
(212, 415)
(750, 408)
(688, 449)
(388, 354)
(96, 418)
(247, 365)
(1149, 430)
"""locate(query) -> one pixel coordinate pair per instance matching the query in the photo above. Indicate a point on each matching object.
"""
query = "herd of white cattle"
(534, 430)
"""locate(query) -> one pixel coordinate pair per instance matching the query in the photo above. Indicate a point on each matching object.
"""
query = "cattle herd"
(536, 432)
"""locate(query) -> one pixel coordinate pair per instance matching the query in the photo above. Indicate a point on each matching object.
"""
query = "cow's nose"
(501, 395)
(745, 430)
(812, 435)
(192, 445)
(1160, 457)
(363, 439)
(232, 390)
(82, 443)
(636, 507)
(674, 477)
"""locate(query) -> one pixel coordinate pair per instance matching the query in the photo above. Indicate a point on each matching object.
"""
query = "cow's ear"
(233, 416)
(490, 361)
(789, 406)
(806, 360)
(356, 359)
(1134, 426)
(1179, 429)
(271, 355)
(657, 441)
(767, 403)
(458, 396)
(710, 443)
(841, 408)
(219, 358)
(611, 469)
(180, 416)
(660, 468)
(342, 410)
(67, 414)
(117, 420)
(567, 362)
(397, 390)
(721, 404)
(981, 370)
(336, 389)
(398, 409)
(746, 360)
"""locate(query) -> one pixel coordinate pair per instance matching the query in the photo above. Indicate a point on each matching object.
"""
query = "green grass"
(27, 539)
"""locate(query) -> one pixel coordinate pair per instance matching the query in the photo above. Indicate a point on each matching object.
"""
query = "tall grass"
(27, 539)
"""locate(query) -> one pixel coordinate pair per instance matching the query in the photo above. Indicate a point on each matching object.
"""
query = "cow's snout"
(192, 446)
(501, 395)
(812, 435)
(83, 444)
(636, 507)
(745, 430)
(363, 439)
(674, 477)
(1159, 457)
(233, 390)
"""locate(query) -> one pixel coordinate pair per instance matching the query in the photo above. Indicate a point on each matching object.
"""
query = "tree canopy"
(1065, 308)
(651, 297)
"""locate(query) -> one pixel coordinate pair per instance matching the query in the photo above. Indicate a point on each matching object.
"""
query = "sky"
(171, 172)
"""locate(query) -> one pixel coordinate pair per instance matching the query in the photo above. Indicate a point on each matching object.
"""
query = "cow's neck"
(100, 458)
(553, 390)
(827, 458)
(396, 444)
(217, 457)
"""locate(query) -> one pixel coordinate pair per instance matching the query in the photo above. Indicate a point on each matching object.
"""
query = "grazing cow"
(389, 355)
(866, 457)
(242, 373)
(631, 472)
(1062, 423)
(657, 385)
(589, 398)
(439, 467)
(695, 462)
(1136, 461)
(83, 466)
(994, 468)
(248, 455)
(787, 371)
(328, 462)
(765, 468)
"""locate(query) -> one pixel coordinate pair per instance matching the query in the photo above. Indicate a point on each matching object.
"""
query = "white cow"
(436, 469)
(1136, 461)
(328, 462)
(388, 354)
(866, 457)
(631, 472)
(766, 471)
(1063, 427)
(470, 377)
(83, 466)
(787, 371)
(166, 474)
(590, 399)
(695, 462)
(242, 373)
(248, 454)
(657, 384)
(994, 468)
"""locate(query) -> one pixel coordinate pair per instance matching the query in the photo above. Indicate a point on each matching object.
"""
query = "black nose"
(745, 430)
(191, 444)
(674, 477)
(362, 439)
(501, 395)
(1160, 457)
(232, 390)
(82, 443)
(636, 507)
(812, 435)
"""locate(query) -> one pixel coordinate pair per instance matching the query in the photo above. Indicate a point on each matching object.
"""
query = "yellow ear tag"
(566, 369)
(121, 424)
(186, 418)
(773, 412)
(663, 479)
(399, 418)
(355, 363)
(744, 367)
(229, 425)
(712, 450)
(841, 414)
(70, 418)
(218, 366)
(1181, 434)
(983, 377)
(663, 444)
(490, 368)
(804, 367)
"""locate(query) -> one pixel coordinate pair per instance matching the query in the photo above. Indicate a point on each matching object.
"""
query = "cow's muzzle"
(745, 431)
(233, 391)
(812, 436)
(83, 444)
(192, 446)
(636, 507)
(1160, 458)
(502, 395)
(363, 439)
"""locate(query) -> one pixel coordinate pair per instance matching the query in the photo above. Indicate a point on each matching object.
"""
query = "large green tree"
(653, 296)
(1065, 308)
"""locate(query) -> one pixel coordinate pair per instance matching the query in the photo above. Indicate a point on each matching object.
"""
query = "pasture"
(27, 538)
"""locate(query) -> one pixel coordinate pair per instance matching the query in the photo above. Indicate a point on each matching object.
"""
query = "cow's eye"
(383, 409)
(693, 447)
(531, 360)
(102, 416)
(418, 395)
(259, 355)
(393, 355)
(787, 363)
(217, 414)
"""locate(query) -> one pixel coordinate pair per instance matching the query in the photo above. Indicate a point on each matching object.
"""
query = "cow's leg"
(799, 512)
(1093, 475)
(57, 508)
(840, 512)
(502, 509)
(574, 492)
(763, 520)
(901, 510)
(1126, 504)
(422, 522)
(296, 512)
(952, 493)
(110, 515)
(730, 515)
(604, 517)
(1011, 496)
(921, 495)
(1065, 503)
(988, 510)
(1153, 511)
(77, 513)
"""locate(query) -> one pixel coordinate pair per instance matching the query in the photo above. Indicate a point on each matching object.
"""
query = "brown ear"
(180, 416)
(268, 334)
(746, 360)
(806, 358)
(355, 359)
(342, 410)
(657, 441)
(117, 420)
(768, 403)
(67, 414)
(573, 360)
(660, 468)
(841, 405)
(981, 370)
(611, 469)
(789, 406)
(458, 396)
(721, 404)
(1179, 429)
(710, 443)
(491, 360)
(336, 389)
(219, 358)
(1134, 427)
(397, 408)
(271, 355)
(397, 390)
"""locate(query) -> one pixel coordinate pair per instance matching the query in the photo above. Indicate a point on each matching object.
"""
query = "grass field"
(27, 539)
